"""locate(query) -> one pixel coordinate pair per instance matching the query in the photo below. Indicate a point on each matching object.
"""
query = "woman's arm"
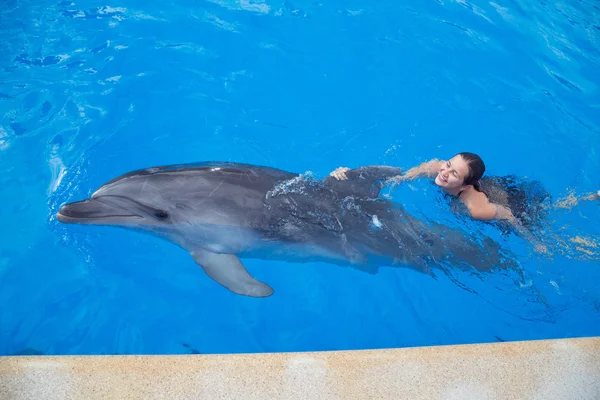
(429, 168)
(482, 209)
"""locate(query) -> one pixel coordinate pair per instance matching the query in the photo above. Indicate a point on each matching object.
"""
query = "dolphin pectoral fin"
(228, 271)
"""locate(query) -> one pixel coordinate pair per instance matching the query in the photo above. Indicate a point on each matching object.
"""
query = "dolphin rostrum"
(220, 212)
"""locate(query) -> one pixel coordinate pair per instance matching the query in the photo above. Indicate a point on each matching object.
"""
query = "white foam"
(147, 17)
(555, 285)
(3, 139)
(57, 170)
(376, 222)
(110, 10)
(259, 6)
(294, 185)
(219, 23)
(355, 12)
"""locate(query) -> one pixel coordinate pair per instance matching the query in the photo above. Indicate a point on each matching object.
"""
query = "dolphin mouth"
(94, 211)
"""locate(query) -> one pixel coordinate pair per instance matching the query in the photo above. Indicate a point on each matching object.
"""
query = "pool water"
(90, 90)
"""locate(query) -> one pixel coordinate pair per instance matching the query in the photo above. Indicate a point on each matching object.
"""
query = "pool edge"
(544, 369)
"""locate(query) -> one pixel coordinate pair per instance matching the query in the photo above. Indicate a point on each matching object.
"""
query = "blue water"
(90, 90)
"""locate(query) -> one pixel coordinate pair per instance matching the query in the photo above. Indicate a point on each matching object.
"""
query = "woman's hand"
(340, 173)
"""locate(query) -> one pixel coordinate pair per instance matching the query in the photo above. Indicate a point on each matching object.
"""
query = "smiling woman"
(461, 177)
(458, 176)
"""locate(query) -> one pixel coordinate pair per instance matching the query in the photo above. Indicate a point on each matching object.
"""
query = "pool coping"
(539, 369)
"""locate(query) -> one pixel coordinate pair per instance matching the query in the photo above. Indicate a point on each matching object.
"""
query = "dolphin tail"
(228, 271)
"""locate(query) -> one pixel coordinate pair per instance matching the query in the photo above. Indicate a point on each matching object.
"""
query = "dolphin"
(220, 212)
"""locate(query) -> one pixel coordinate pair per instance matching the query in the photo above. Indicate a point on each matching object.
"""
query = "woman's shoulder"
(472, 194)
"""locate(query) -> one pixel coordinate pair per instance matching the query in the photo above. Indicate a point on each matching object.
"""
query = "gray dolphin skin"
(221, 212)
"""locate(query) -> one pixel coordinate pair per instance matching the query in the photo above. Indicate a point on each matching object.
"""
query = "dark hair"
(476, 169)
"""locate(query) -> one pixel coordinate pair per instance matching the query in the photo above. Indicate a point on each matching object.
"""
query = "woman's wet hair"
(476, 169)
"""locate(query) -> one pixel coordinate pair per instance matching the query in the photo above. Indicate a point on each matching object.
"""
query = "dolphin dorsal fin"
(364, 181)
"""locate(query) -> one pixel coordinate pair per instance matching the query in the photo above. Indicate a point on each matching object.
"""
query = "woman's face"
(452, 173)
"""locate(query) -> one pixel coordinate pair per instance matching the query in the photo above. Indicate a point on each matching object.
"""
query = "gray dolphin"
(220, 212)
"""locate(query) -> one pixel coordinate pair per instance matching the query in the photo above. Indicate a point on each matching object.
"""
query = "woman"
(460, 177)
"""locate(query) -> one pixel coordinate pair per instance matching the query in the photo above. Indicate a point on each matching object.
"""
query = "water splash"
(297, 184)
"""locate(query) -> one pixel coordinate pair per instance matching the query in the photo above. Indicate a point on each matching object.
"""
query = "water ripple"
(91, 89)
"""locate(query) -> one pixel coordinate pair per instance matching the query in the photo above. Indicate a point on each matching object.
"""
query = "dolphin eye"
(161, 214)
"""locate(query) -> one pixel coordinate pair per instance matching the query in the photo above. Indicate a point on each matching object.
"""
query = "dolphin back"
(245, 175)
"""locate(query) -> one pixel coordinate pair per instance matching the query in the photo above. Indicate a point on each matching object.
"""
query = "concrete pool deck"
(552, 369)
